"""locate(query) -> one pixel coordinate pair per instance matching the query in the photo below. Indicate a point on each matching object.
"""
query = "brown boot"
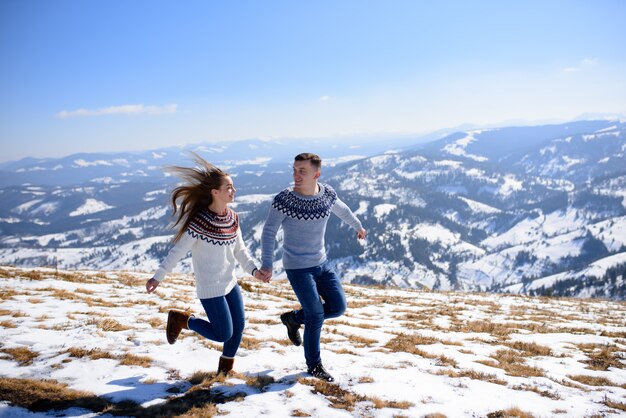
(176, 322)
(225, 366)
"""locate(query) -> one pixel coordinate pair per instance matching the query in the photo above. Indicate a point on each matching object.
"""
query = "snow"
(51, 312)
(459, 147)
(26, 206)
(330, 162)
(380, 211)
(254, 198)
(595, 269)
(362, 210)
(510, 185)
(90, 206)
(83, 163)
(479, 207)
(256, 161)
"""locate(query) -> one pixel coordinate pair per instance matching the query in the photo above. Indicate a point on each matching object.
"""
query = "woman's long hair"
(195, 194)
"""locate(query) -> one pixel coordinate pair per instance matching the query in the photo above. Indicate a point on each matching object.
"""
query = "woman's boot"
(226, 365)
(176, 322)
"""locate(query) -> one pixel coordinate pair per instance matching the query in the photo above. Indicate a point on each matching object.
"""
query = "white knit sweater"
(215, 243)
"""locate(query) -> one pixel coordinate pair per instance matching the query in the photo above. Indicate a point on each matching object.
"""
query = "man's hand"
(151, 285)
(266, 273)
(361, 233)
(262, 276)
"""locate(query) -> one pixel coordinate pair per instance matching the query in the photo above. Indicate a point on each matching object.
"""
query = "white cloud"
(323, 99)
(582, 65)
(130, 109)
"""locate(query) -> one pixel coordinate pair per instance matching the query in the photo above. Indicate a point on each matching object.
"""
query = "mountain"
(533, 209)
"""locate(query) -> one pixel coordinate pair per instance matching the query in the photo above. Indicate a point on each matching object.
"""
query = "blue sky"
(83, 76)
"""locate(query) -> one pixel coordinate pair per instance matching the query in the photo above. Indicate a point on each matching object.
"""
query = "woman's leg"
(235, 306)
(219, 327)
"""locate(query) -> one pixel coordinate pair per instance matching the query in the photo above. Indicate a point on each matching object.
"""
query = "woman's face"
(226, 192)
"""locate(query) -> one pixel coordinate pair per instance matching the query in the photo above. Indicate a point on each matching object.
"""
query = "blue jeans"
(309, 284)
(226, 321)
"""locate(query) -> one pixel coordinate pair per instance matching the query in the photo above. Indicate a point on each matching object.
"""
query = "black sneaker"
(320, 372)
(293, 328)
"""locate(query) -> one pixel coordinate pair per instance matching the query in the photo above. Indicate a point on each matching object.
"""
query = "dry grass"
(601, 357)
(93, 354)
(44, 395)
(299, 413)
(338, 397)
(381, 403)
(23, 355)
(157, 323)
(199, 376)
(494, 328)
(259, 381)
(8, 324)
(472, 374)
(513, 364)
(594, 380)
(529, 349)
(126, 359)
(40, 396)
(510, 413)
(408, 343)
(108, 324)
(545, 393)
(620, 406)
(366, 379)
(129, 359)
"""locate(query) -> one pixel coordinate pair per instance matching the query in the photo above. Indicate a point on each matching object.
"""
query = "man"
(303, 212)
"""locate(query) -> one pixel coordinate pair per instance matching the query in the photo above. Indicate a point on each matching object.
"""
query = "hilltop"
(92, 343)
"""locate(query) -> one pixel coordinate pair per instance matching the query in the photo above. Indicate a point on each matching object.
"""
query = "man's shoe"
(176, 322)
(320, 372)
(293, 328)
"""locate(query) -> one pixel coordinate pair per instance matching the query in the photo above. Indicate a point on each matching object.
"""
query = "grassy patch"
(472, 374)
(513, 364)
(510, 413)
(23, 355)
(594, 381)
(108, 324)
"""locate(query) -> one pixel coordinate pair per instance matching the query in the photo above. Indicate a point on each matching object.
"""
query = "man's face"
(305, 175)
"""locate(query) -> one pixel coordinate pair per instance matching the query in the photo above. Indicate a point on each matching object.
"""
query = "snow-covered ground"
(394, 353)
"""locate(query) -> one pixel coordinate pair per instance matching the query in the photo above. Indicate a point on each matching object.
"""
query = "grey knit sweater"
(303, 219)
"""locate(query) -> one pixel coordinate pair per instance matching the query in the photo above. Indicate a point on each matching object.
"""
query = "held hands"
(151, 285)
(361, 233)
(264, 275)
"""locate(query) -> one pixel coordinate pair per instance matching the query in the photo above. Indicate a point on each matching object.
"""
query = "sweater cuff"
(159, 275)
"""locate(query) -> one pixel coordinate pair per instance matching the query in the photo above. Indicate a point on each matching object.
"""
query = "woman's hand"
(262, 276)
(151, 285)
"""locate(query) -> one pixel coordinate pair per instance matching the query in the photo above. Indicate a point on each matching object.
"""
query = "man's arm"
(268, 239)
(345, 214)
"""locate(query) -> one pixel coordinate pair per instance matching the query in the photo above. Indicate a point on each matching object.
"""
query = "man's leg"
(312, 312)
(330, 289)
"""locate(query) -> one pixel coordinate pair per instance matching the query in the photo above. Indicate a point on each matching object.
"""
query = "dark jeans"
(309, 284)
(226, 321)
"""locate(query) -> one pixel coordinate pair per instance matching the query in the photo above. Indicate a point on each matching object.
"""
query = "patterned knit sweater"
(215, 243)
(303, 219)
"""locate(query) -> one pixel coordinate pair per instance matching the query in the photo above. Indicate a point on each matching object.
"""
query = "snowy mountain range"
(535, 210)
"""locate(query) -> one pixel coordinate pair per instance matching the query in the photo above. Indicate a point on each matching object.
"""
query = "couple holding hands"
(210, 230)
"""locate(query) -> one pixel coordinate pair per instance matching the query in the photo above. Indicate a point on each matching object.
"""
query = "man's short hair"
(315, 159)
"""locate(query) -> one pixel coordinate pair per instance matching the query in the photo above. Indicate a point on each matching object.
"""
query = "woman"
(210, 230)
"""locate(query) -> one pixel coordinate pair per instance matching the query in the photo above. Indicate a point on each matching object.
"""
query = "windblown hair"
(195, 195)
(315, 159)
